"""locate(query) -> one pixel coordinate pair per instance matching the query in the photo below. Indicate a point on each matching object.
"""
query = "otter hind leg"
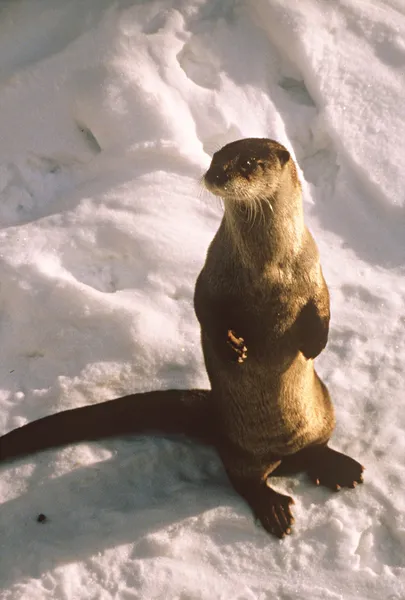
(271, 508)
(324, 466)
(333, 469)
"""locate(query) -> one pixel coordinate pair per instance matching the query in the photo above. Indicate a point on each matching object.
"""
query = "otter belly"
(268, 412)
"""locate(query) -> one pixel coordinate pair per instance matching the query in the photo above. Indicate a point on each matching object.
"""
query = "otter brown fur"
(263, 307)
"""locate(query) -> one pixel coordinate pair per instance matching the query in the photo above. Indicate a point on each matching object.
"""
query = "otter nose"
(216, 176)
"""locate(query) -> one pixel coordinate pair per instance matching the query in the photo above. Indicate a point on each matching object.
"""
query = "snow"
(109, 114)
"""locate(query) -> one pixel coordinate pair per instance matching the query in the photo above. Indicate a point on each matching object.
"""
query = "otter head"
(247, 170)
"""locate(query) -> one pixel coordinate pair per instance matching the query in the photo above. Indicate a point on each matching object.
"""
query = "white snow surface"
(109, 113)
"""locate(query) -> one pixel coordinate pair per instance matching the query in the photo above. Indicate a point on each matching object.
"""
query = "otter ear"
(283, 156)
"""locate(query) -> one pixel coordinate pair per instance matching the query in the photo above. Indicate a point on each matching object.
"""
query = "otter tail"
(169, 412)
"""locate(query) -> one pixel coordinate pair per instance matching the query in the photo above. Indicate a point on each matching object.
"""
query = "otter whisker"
(269, 204)
(262, 212)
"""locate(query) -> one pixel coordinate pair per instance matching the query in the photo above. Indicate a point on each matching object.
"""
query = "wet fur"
(262, 280)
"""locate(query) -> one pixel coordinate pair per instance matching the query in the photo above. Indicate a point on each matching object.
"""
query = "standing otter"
(267, 410)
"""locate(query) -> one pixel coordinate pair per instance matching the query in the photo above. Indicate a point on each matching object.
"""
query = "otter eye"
(247, 166)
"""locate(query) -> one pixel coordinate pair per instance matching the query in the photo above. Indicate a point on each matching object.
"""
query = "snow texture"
(110, 111)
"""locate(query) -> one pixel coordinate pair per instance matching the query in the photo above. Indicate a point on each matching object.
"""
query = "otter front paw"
(238, 346)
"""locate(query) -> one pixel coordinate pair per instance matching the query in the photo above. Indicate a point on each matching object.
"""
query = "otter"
(263, 308)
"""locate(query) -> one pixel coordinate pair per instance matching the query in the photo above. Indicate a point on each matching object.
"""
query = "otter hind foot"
(334, 469)
(273, 511)
(238, 345)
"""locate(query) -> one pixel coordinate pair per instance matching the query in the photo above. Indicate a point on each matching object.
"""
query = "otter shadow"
(137, 491)
(148, 483)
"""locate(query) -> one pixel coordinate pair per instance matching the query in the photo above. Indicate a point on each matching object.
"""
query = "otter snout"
(216, 177)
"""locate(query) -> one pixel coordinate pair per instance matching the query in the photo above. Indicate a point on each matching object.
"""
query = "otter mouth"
(225, 185)
(239, 193)
(217, 190)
